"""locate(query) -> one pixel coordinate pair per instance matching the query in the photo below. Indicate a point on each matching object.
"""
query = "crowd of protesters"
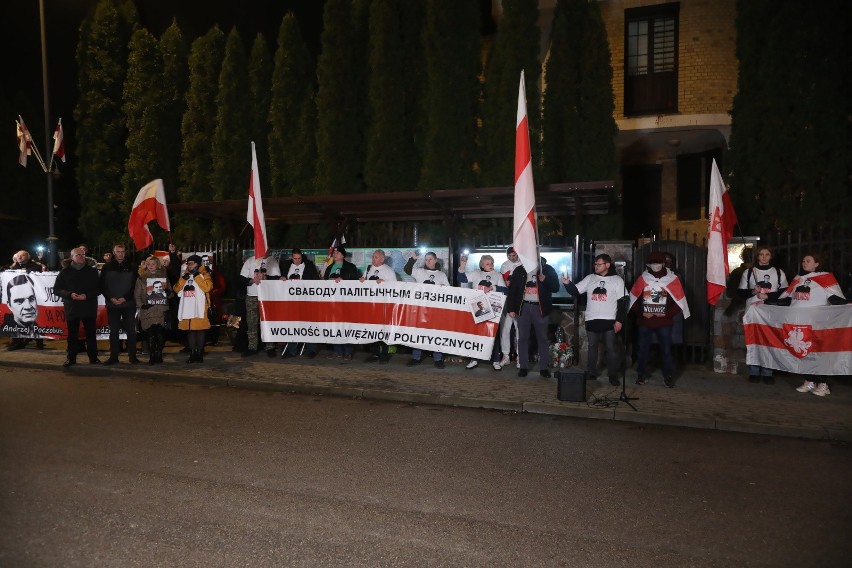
(170, 298)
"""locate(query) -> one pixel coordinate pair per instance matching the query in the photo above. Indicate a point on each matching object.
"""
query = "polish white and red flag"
(59, 142)
(24, 142)
(150, 205)
(721, 229)
(803, 340)
(254, 214)
(524, 226)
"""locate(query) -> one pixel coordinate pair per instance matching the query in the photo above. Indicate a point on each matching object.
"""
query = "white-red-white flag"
(59, 142)
(720, 231)
(254, 215)
(150, 205)
(24, 142)
(524, 229)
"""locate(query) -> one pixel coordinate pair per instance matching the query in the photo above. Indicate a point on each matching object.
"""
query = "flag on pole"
(524, 229)
(150, 205)
(24, 142)
(59, 142)
(329, 257)
(254, 215)
(720, 231)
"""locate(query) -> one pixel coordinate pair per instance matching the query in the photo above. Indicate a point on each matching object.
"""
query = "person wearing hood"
(77, 285)
(762, 281)
(118, 284)
(606, 311)
(193, 289)
(153, 306)
(662, 297)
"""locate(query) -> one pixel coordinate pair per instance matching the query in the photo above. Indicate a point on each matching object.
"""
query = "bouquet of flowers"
(561, 352)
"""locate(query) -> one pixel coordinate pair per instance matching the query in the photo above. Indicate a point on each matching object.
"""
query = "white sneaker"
(821, 390)
(504, 361)
(518, 364)
(497, 366)
(472, 364)
(807, 386)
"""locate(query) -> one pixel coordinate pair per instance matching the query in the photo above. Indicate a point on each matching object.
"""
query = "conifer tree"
(338, 136)
(175, 81)
(292, 114)
(577, 119)
(515, 48)
(231, 141)
(101, 132)
(143, 105)
(260, 80)
(452, 48)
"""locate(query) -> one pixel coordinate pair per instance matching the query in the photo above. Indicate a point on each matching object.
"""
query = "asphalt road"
(121, 472)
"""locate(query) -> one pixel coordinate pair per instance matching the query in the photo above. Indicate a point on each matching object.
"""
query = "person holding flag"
(662, 297)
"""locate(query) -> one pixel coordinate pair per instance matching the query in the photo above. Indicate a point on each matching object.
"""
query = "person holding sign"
(152, 294)
(487, 280)
(429, 273)
(193, 288)
(378, 272)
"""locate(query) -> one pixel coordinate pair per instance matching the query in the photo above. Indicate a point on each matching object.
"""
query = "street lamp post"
(52, 259)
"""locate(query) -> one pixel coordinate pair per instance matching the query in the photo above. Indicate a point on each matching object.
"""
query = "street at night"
(114, 471)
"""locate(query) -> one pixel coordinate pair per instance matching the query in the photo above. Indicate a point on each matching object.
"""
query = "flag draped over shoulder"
(524, 230)
(59, 142)
(721, 229)
(150, 205)
(670, 283)
(254, 215)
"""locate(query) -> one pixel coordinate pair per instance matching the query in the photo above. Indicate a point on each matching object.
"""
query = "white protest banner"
(30, 309)
(809, 341)
(423, 316)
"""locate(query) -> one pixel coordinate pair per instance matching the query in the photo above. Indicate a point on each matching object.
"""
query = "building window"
(650, 82)
(693, 184)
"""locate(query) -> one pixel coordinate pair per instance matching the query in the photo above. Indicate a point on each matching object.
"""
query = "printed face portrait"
(205, 260)
(22, 300)
(158, 287)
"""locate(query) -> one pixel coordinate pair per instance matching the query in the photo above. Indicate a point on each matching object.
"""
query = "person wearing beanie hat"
(193, 289)
(662, 297)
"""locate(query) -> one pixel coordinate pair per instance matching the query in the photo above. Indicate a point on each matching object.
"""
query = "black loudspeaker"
(571, 386)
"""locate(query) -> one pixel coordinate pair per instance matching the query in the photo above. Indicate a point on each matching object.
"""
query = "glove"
(145, 306)
(186, 276)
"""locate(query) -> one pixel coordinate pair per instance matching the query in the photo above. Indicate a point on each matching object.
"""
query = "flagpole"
(52, 259)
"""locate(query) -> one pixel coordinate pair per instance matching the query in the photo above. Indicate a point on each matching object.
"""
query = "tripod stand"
(623, 396)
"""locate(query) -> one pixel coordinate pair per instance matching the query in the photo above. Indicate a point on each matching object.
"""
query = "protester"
(378, 272)
(606, 311)
(811, 288)
(762, 281)
(338, 270)
(254, 271)
(297, 267)
(118, 286)
(530, 299)
(21, 260)
(662, 297)
(429, 273)
(508, 323)
(154, 306)
(487, 280)
(78, 286)
(193, 289)
(216, 296)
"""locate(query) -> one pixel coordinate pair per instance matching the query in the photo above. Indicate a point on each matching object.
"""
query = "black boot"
(152, 350)
(192, 356)
(199, 357)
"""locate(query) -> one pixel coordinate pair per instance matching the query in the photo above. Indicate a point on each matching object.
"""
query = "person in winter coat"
(761, 281)
(193, 289)
(77, 285)
(118, 283)
(154, 305)
(530, 299)
(813, 287)
(338, 270)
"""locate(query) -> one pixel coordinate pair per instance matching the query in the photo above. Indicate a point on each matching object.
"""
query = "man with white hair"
(78, 286)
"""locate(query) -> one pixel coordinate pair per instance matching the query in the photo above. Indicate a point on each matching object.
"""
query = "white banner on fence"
(423, 316)
(808, 341)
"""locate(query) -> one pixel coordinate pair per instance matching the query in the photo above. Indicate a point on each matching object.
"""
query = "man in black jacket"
(77, 285)
(118, 282)
(530, 299)
(297, 267)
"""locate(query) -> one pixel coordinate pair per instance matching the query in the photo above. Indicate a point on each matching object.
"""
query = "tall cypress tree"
(260, 80)
(515, 48)
(175, 81)
(101, 132)
(292, 114)
(339, 162)
(231, 141)
(143, 104)
(577, 120)
(452, 47)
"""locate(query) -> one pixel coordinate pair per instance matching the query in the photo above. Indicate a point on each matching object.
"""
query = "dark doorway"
(641, 192)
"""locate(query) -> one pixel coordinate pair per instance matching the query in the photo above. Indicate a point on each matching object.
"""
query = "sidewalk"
(701, 398)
